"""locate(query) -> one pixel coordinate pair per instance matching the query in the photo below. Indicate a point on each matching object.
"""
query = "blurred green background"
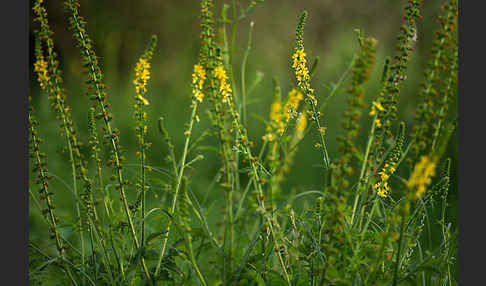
(122, 29)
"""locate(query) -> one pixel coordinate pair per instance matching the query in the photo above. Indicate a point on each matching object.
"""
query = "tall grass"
(367, 224)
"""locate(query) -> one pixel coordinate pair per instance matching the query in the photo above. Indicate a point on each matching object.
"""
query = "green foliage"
(372, 220)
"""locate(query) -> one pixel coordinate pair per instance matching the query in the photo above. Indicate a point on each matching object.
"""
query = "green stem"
(178, 184)
(233, 32)
(321, 134)
(78, 211)
(109, 131)
(48, 200)
(397, 264)
(441, 115)
(379, 257)
(336, 87)
(231, 230)
(142, 169)
(108, 215)
(68, 272)
(65, 122)
(93, 260)
(243, 71)
(363, 169)
(193, 261)
(57, 99)
(247, 188)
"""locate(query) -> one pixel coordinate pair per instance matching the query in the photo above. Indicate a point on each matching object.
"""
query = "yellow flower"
(422, 175)
(276, 123)
(40, 67)
(378, 123)
(373, 111)
(225, 90)
(383, 189)
(376, 105)
(299, 65)
(142, 75)
(200, 72)
(268, 137)
(279, 116)
(312, 98)
(300, 126)
(142, 99)
(198, 78)
(275, 111)
(224, 86)
(298, 57)
(292, 103)
(384, 176)
(220, 73)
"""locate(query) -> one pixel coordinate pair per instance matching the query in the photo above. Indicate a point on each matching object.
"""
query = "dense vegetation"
(378, 214)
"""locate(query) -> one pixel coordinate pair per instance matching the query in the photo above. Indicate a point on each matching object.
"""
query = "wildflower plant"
(299, 64)
(369, 221)
(440, 79)
(142, 75)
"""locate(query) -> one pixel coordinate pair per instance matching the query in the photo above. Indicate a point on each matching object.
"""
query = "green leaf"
(43, 265)
(153, 236)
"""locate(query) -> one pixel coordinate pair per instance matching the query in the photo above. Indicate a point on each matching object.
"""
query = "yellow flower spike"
(299, 65)
(142, 75)
(224, 86)
(198, 78)
(382, 187)
(422, 175)
(275, 111)
(40, 67)
(301, 126)
(292, 104)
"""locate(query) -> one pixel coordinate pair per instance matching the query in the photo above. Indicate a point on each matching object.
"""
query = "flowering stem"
(321, 134)
(247, 188)
(45, 185)
(92, 68)
(441, 116)
(142, 168)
